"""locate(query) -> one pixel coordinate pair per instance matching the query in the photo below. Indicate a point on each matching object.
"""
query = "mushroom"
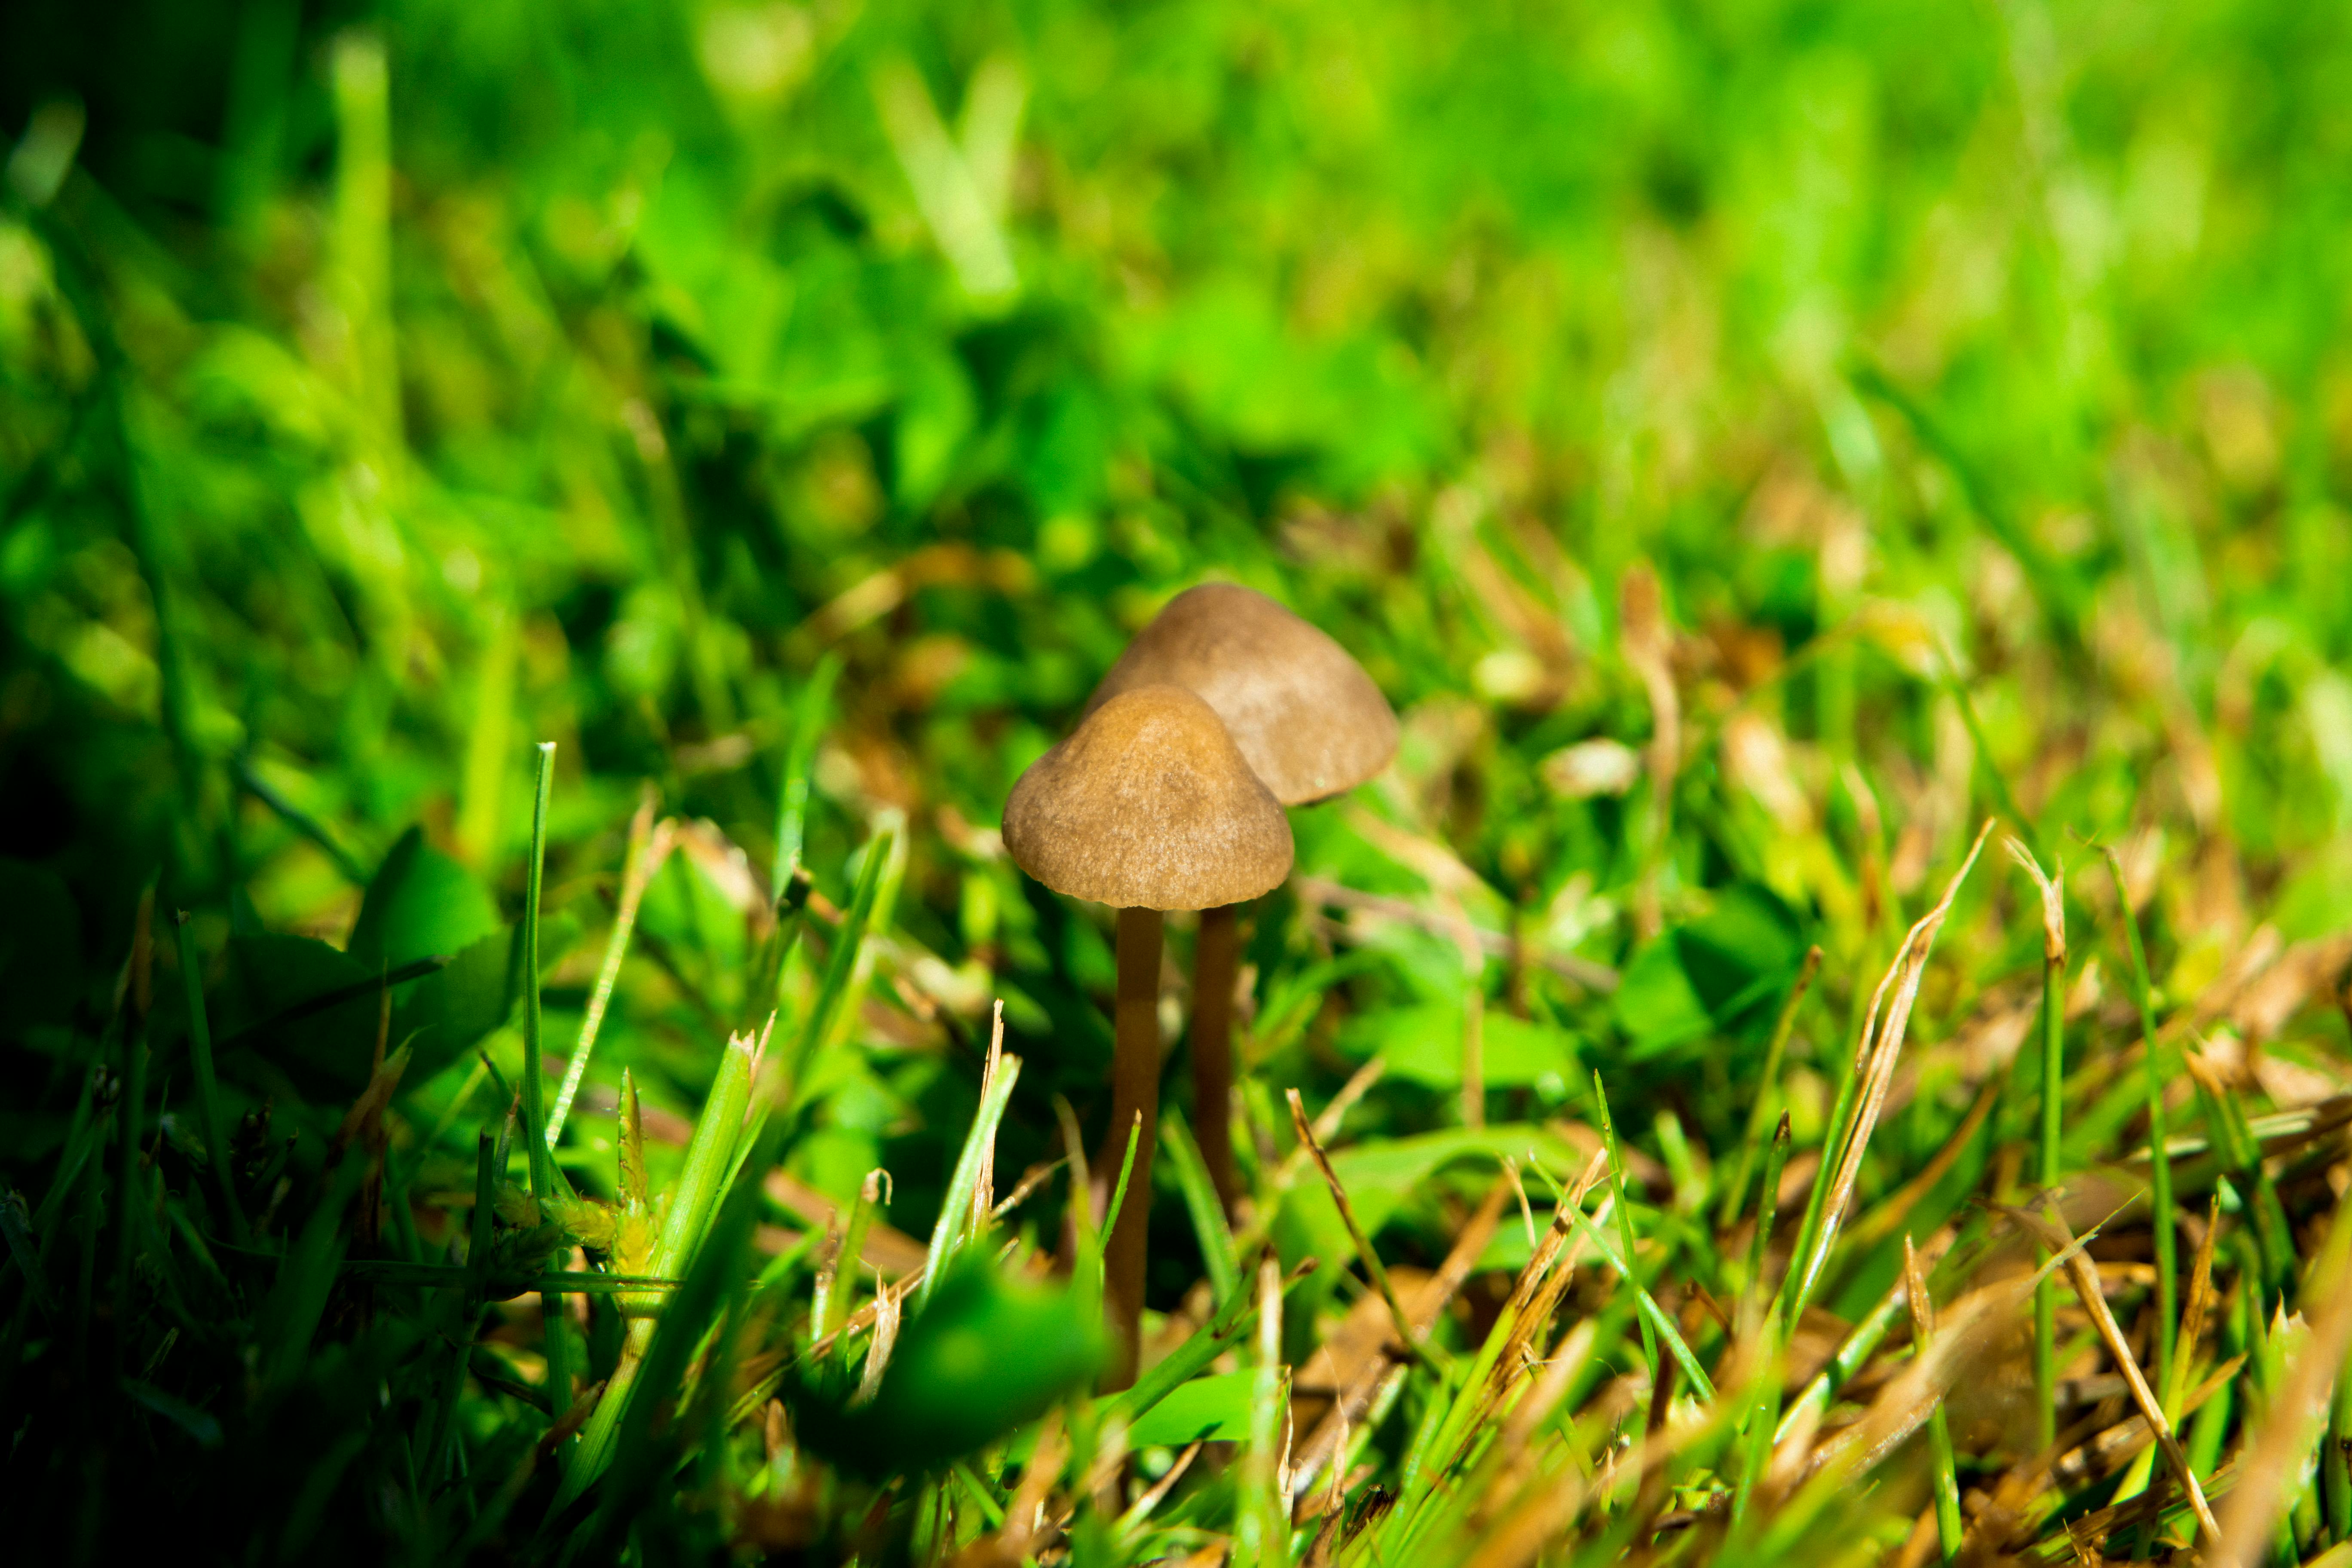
(1148, 805)
(1311, 724)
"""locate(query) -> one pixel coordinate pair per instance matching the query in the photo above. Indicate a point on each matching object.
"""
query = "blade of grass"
(1768, 1210)
(1882, 1046)
(1085, 1270)
(586, 1282)
(1365, 1253)
(25, 1252)
(1853, 1354)
(648, 849)
(715, 1277)
(1118, 1201)
(1625, 1213)
(950, 1233)
(1208, 1215)
(2241, 1154)
(1204, 1345)
(1939, 1427)
(693, 1197)
(2159, 1137)
(208, 1110)
(539, 1141)
(1764, 1397)
(1808, 1226)
(1768, 1090)
(466, 1312)
(2085, 1279)
(537, 1160)
(833, 990)
(1265, 1534)
(789, 916)
(300, 820)
(2054, 590)
(2053, 1032)
(1661, 1326)
(838, 1283)
(327, 1001)
(800, 757)
(85, 1131)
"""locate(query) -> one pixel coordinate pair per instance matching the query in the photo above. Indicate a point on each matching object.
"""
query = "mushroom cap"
(1148, 805)
(1306, 715)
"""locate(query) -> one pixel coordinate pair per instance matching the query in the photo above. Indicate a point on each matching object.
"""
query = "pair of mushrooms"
(1169, 796)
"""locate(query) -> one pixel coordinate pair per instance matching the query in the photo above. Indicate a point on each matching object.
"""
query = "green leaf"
(1215, 1408)
(268, 1005)
(1655, 1002)
(443, 1014)
(986, 1355)
(1423, 1046)
(421, 904)
(1712, 976)
(1382, 1176)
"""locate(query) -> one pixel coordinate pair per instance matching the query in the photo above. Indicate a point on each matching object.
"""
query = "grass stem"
(1624, 1215)
(1768, 1090)
(2159, 1155)
(208, 1108)
(538, 1141)
(1939, 1427)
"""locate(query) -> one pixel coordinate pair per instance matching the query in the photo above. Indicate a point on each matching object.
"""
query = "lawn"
(535, 543)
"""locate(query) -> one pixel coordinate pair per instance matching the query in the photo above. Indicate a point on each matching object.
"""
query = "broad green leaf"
(422, 904)
(1425, 1045)
(986, 1355)
(1715, 974)
(1214, 1408)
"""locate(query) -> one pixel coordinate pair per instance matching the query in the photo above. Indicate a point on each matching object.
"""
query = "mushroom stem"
(1213, 1050)
(1134, 1091)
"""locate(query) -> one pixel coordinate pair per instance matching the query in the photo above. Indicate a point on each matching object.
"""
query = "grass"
(533, 546)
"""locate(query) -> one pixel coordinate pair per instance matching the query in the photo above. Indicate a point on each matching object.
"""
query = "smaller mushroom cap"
(1148, 805)
(1306, 715)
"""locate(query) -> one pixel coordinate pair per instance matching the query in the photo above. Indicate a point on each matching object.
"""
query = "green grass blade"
(715, 1276)
(1192, 1358)
(1796, 1283)
(1856, 1349)
(834, 990)
(1768, 1210)
(1200, 1203)
(835, 1288)
(1090, 1263)
(1661, 1327)
(2045, 1291)
(710, 1152)
(538, 1134)
(955, 1224)
(467, 1308)
(809, 716)
(208, 1106)
(2162, 1219)
(1768, 1090)
(538, 1161)
(1625, 1213)
(1265, 1533)
(637, 870)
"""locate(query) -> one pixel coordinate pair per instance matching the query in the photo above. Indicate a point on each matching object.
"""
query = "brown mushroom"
(1312, 725)
(1148, 806)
